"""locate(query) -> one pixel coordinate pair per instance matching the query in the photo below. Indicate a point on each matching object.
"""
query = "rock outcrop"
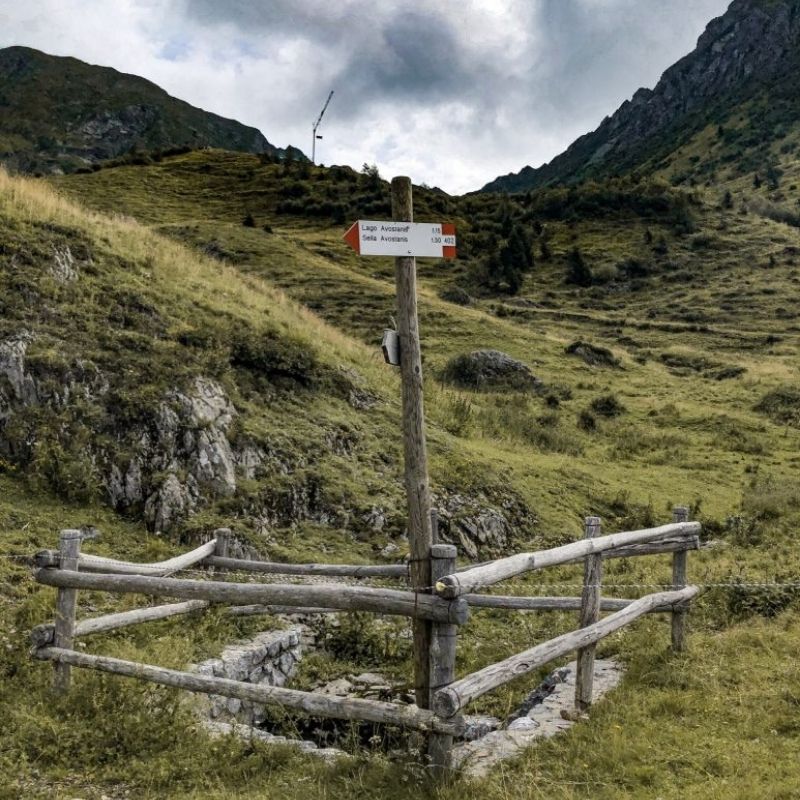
(176, 462)
(753, 45)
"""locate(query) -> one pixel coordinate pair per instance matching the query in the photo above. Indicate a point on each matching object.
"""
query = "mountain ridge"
(740, 54)
(61, 114)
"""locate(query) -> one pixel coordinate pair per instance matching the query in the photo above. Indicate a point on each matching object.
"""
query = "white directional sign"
(423, 239)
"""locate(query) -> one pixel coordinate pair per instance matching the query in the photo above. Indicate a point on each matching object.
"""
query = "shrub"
(578, 272)
(587, 421)
(745, 601)
(607, 406)
(273, 357)
(781, 406)
(360, 638)
(457, 295)
(593, 355)
(489, 370)
(249, 221)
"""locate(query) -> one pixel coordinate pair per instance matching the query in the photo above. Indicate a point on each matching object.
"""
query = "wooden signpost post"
(404, 239)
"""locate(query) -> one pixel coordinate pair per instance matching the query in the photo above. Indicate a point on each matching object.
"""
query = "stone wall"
(270, 659)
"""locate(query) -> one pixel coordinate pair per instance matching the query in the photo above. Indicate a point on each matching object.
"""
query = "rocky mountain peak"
(748, 47)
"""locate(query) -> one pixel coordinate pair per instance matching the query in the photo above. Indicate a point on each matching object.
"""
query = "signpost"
(404, 239)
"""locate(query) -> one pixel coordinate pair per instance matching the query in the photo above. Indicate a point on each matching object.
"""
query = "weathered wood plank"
(442, 659)
(420, 535)
(90, 563)
(516, 603)
(679, 570)
(223, 537)
(671, 545)
(325, 570)
(310, 703)
(468, 581)
(345, 598)
(450, 700)
(42, 635)
(589, 614)
(256, 610)
(69, 549)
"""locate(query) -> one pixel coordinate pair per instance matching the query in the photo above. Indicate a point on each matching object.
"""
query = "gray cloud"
(578, 61)
(374, 53)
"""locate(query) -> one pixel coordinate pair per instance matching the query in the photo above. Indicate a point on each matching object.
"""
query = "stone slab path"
(542, 721)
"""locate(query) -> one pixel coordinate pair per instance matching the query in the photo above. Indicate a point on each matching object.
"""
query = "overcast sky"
(452, 93)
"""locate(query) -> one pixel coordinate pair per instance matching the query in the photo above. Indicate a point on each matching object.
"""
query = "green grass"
(690, 726)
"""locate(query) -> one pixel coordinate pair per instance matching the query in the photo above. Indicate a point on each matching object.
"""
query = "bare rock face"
(479, 526)
(189, 438)
(20, 385)
(171, 502)
(752, 46)
(748, 41)
(65, 266)
(180, 459)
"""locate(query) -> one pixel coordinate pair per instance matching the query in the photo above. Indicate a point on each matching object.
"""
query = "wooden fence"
(444, 607)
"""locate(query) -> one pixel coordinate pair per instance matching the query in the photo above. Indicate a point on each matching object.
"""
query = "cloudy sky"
(452, 93)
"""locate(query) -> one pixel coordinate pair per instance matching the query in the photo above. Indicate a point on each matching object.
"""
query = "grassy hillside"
(694, 401)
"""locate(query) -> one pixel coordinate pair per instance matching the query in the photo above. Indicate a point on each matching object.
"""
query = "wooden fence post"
(416, 459)
(590, 613)
(69, 548)
(223, 546)
(679, 559)
(442, 659)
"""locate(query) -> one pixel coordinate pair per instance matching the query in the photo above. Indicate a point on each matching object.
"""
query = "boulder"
(490, 370)
(593, 355)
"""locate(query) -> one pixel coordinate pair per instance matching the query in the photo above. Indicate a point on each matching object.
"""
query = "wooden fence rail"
(43, 635)
(308, 702)
(335, 595)
(468, 581)
(438, 710)
(452, 699)
(89, 563)
(326, 570)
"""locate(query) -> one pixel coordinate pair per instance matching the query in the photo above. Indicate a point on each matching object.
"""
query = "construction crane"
(314, 130)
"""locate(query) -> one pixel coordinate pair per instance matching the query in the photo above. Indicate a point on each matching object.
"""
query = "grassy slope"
(710, 730)
(683, 308)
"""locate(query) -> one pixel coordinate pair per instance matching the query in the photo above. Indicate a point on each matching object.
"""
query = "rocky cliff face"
(186, 457)
(749, 48)
(61, 114)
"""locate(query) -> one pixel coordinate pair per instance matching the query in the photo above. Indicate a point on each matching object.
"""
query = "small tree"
(372, 178)
(578, 272)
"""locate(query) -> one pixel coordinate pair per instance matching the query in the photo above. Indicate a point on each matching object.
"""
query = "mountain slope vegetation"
(150, 306)
(61, 114)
